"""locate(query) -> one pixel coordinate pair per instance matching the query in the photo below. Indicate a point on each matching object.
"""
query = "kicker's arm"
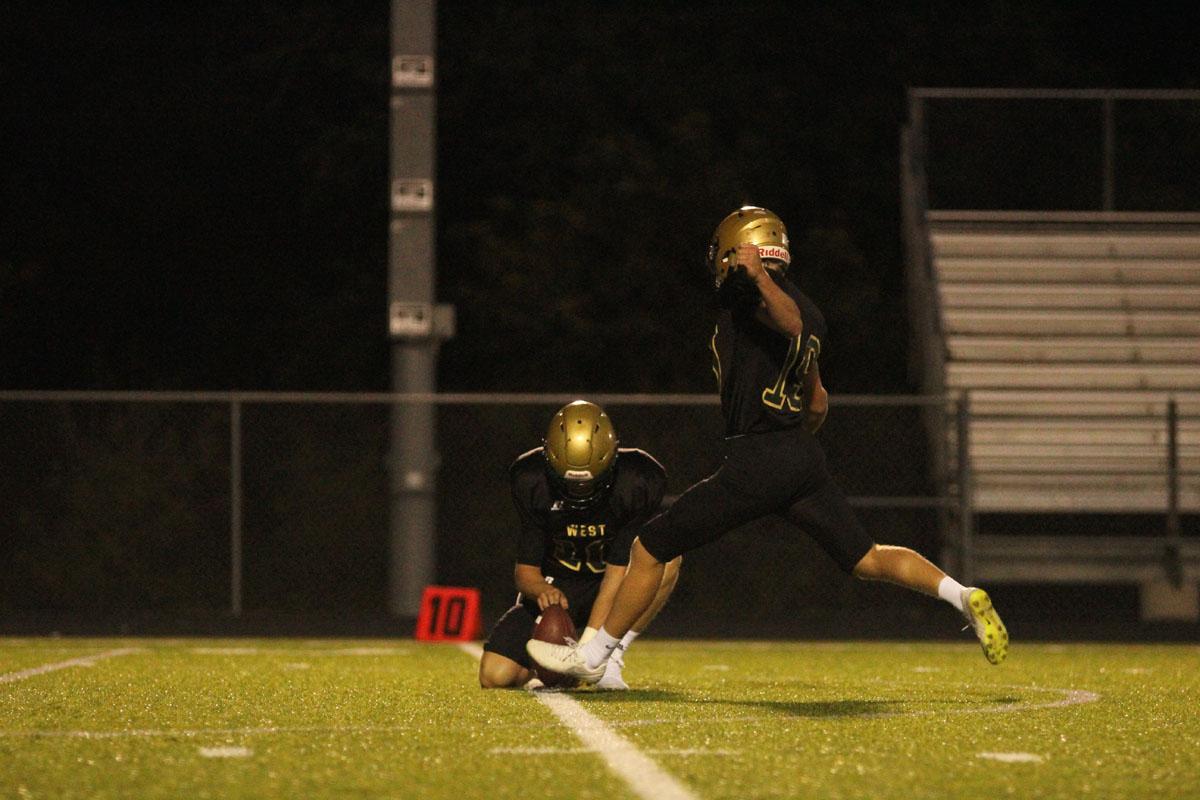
(818, 398)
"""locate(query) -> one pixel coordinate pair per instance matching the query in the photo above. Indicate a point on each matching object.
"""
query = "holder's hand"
(551, 597)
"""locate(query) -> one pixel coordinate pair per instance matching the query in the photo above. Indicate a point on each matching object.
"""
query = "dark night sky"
(197, 198)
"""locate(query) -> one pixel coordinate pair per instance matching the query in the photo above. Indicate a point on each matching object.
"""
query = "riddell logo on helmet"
(774, 251)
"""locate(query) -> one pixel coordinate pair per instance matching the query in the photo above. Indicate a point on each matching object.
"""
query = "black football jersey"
(573, 544)
(760, 371)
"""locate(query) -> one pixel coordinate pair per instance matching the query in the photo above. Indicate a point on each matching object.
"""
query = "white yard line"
(644, 776)
(664, 751)
(473, 649)
(642, 773)
(82, 661)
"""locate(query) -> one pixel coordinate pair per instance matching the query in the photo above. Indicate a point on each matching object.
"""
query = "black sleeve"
(531, 542)
(647, 502)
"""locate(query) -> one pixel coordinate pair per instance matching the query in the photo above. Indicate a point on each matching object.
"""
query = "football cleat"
(564, 659)
(611, 679)
(982, 617)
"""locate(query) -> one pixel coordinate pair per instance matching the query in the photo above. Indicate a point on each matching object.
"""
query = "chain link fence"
(112, 505)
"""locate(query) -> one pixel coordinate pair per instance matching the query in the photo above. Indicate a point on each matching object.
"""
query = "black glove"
(737, 290)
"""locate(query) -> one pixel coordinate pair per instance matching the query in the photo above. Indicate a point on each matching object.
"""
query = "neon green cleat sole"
(992, 635)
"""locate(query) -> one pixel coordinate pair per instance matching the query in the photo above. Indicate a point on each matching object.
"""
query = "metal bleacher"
(1066, 344)
(1070, 334)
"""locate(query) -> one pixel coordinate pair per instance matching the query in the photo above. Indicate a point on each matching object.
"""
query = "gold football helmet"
(748, 224)
(580, 449)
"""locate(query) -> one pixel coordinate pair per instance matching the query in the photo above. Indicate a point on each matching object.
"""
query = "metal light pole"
(416, 325)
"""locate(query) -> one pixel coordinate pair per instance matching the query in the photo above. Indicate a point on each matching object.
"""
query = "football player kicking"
(580, 499)
(767, 343)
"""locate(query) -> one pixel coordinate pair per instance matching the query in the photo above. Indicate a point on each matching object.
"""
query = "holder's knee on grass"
(498, 672)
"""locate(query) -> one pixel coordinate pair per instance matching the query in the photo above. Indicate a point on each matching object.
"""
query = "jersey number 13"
(789, 388)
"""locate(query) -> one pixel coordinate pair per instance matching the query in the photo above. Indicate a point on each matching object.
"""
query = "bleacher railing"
(1055, 149)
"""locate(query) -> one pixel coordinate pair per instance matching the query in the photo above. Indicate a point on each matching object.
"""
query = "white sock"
(599, 648)
(951, 591)
(626, 640)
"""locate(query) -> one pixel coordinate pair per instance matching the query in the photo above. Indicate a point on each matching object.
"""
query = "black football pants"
(780, 474)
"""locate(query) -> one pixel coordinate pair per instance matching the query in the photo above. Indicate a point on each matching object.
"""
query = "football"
(554, 626)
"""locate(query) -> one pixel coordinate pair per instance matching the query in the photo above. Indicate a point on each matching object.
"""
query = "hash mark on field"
(644, 776)
(1013, 758)
(82, 661)
(717, 667)
(226, 752)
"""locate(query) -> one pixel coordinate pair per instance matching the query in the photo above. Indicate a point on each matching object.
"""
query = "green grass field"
(399, 719)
